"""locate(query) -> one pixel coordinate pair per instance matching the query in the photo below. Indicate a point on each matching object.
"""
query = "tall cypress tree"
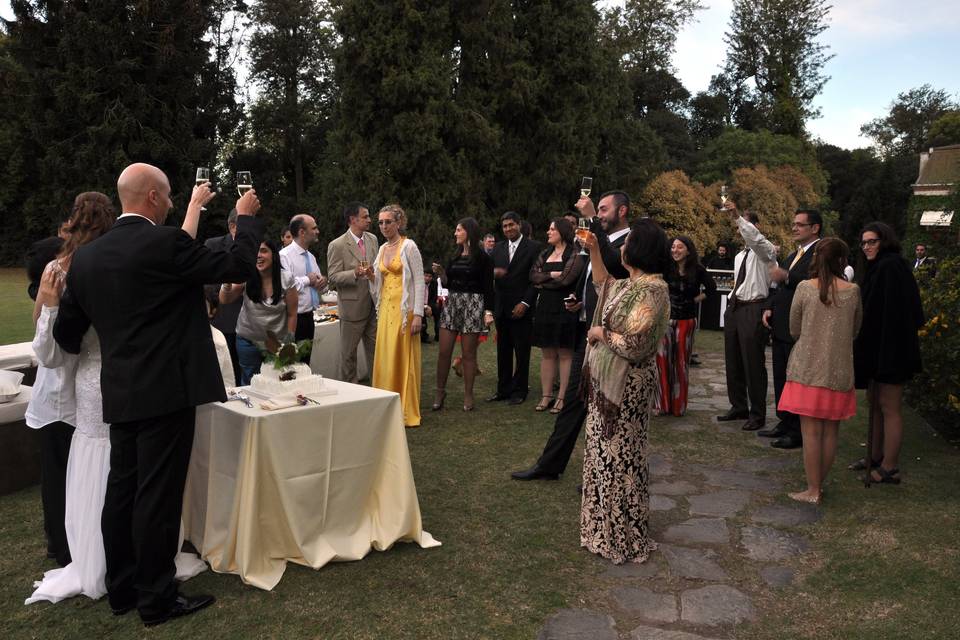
(108, 83)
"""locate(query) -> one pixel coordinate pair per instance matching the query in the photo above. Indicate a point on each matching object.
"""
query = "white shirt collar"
(807, 246)
(514, 243)
(356, 239)
(128, 215)
(616, 235)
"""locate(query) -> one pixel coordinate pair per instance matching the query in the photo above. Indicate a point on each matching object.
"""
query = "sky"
(881, 48)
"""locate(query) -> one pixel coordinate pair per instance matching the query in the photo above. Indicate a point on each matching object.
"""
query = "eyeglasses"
(869, 242)
(383, 222)
(801, 224)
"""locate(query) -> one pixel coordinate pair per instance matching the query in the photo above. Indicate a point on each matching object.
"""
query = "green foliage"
(774, 44)
(907, 128)
(683, 208)
(736, 148)
(937, 390)
(945, 130)
(95, 86)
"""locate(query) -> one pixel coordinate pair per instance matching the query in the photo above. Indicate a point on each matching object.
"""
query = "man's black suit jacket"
(515, 286)
(779, 303)
(227, 314)
(141, 286)
(610, 252)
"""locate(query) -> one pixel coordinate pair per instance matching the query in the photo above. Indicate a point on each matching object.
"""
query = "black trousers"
(513, 345)
(745, 342)
(305, 330)
(142, 509)
(54, 450)
(790, 422)
(566, 428)
(234, 359)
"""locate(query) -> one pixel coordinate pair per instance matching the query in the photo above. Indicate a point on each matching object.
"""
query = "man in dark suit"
(141, 287)
(611, 226)
(227, 314)
(431, 302)
(807, 229)
(513, 309)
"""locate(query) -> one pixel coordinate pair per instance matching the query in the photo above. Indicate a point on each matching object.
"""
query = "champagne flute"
(583, 228)
(244, 182)
(586, 185)
(364, 264)
(203, 175)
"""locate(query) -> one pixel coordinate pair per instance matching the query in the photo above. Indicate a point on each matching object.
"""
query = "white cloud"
(894, 18)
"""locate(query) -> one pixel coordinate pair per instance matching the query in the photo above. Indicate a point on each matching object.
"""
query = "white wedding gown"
(87, 469)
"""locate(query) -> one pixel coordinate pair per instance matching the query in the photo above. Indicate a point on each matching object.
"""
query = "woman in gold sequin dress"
(396, 284)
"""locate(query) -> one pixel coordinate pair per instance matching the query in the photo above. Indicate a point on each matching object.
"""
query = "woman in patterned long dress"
(631, 318)
(397, 289)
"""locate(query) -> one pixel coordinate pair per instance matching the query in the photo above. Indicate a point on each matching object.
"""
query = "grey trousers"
(352, 332)
(745, 342)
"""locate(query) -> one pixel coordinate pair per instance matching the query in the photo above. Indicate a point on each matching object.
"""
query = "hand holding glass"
(244, 182)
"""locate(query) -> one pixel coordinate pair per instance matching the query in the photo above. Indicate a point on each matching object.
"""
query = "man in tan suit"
(358, 318)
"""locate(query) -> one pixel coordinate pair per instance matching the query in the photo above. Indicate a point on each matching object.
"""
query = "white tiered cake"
(268, 382)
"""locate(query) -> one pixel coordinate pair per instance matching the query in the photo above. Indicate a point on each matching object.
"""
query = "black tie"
(741, 274)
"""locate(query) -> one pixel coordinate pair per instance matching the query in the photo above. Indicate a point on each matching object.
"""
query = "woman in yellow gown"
(398, 290)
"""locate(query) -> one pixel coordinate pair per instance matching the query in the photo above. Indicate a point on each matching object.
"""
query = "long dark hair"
(889, 243)
(472, 227)
(646, 247)
(92, 215)
(691, 264)
(255, 285)
(830, 257)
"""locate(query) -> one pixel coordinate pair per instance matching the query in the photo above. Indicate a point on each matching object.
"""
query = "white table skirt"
(325, 357)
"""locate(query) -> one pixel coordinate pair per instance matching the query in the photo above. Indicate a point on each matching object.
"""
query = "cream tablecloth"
(308, 484)
(15, 409)
(325, 357)
(17, 356)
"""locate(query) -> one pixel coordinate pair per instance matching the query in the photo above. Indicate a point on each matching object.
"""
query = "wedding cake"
(269, 383)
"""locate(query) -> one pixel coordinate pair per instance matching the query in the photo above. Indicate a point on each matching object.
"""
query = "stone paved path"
(727, 533)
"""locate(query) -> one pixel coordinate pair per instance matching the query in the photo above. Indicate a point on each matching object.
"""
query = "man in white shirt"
(302, 265)
(744, 336)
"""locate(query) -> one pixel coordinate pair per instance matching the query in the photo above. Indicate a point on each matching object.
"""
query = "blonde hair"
(398, 214)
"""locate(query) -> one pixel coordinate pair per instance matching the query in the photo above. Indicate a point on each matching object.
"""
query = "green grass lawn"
(16, 307)
(885, 562)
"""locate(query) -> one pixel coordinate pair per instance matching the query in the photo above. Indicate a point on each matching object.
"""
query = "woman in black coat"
(886, 353)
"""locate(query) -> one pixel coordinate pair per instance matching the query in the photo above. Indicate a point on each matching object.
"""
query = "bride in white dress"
(89, 461)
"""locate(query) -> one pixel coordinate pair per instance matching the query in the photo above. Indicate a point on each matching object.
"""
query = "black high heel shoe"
(438, 402)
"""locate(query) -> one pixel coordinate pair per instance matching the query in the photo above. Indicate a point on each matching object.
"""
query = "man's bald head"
(145, 189)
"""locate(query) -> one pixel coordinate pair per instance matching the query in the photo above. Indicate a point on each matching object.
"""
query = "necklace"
(394, 243)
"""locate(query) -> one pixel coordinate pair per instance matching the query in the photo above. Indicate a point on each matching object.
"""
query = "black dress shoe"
(787, 442)
(497, 398)
(753, 424)
(518, 400)
(182, 606)
(733, 415)
(534, 473)
(773, 432)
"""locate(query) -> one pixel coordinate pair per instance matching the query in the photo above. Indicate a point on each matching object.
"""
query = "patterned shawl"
(634, 315)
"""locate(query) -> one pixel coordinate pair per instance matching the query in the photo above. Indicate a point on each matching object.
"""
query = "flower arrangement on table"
(284, 353)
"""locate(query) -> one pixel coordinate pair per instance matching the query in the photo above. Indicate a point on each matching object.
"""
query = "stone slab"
(648, 569)
(692, 563)
(766, 544)
(699, 531)
(737, 479)
(719, 504)
(659, 466)
(662, 503)
(578, 624)
(677, 488)
(716, 605)
(778, 576)
(647, 604)
(787, 515)
(644, 632)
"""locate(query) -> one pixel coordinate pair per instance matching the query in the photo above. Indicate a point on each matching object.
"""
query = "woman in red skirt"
(825, 318)
(689, 284)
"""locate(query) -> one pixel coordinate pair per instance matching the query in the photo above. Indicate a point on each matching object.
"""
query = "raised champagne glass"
(203, 175)
(244, 182)
(586, 185)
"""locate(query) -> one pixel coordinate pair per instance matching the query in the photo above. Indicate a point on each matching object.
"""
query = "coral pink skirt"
(817, 402)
